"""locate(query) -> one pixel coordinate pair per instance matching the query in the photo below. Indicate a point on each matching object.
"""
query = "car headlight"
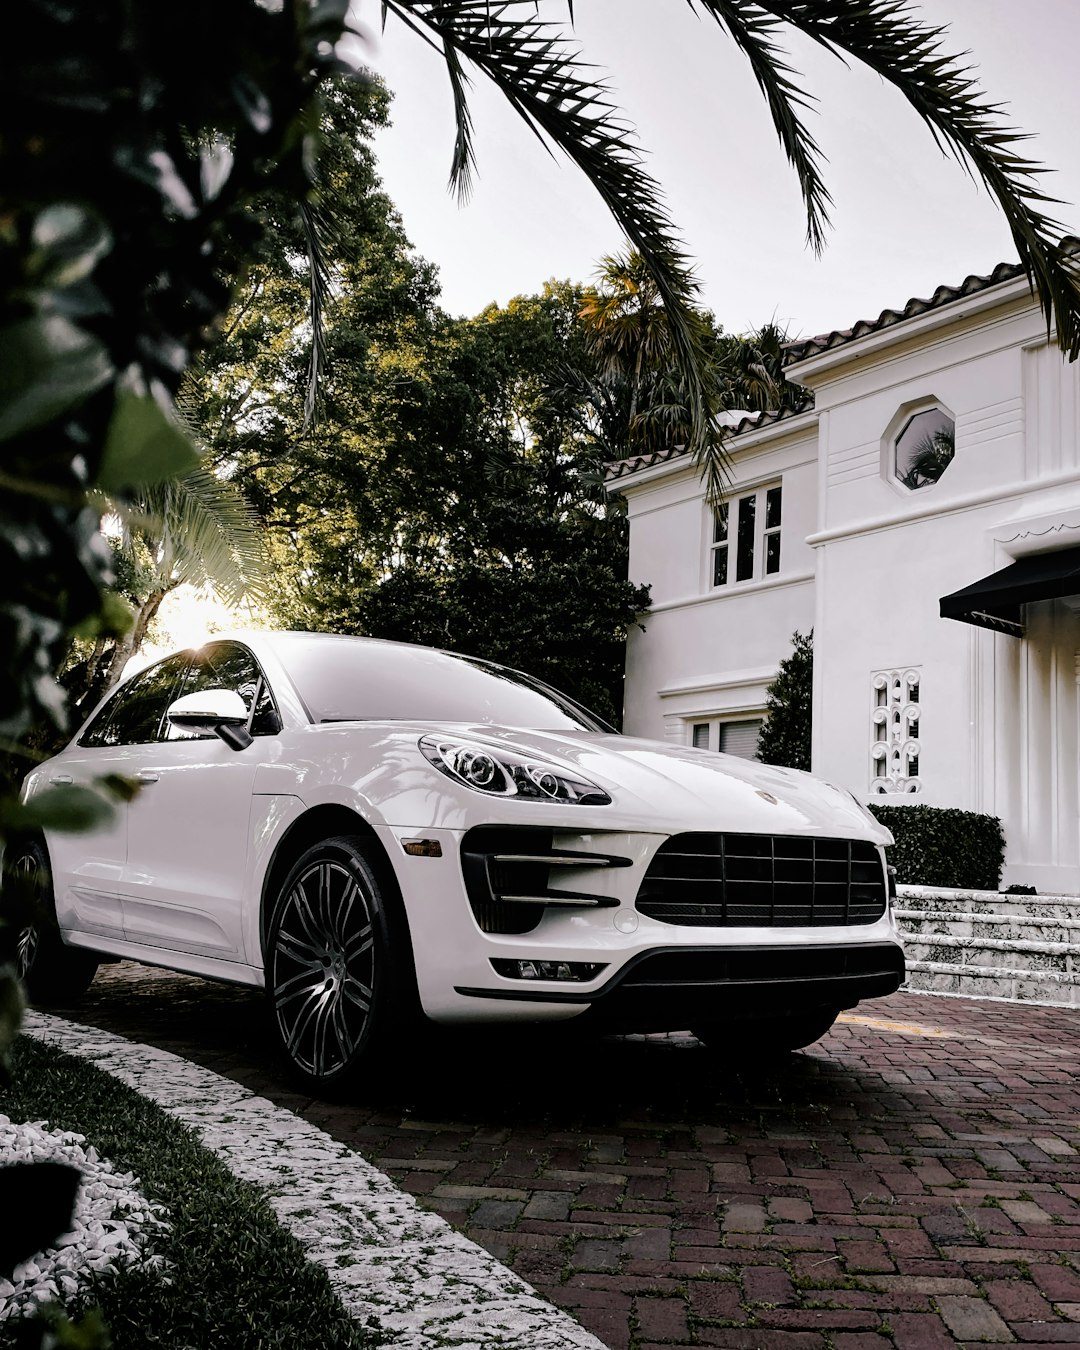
(505, 773)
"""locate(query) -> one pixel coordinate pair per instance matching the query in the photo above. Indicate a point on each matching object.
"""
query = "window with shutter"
(740, 738)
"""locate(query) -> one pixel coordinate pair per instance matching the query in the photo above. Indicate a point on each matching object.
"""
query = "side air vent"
(763, 881)
(512, 876)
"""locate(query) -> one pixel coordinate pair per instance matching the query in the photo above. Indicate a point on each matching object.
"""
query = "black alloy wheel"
(766, 1037)
(51, 971)
(333, 976)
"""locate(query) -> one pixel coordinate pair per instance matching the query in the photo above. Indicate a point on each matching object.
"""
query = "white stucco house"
(943, 588)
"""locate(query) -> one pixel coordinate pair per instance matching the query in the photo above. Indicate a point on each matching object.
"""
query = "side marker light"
(422, 848)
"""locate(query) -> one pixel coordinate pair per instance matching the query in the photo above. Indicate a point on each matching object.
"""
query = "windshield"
(343, 679)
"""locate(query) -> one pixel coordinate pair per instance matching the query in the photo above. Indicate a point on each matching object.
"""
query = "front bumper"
(672, 988)
(653, 973)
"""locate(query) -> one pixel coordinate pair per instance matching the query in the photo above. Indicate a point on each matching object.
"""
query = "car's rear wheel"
(51, 971)
(336, 977)
(766, 1037)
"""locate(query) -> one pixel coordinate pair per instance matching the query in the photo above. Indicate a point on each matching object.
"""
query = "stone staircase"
(986, 944)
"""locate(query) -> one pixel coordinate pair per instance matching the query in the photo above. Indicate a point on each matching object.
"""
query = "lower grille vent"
(765, 965)
(762, 880)
(512, 876)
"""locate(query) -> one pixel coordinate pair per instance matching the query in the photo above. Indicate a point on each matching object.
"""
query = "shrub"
(938, 846)
(785, 737)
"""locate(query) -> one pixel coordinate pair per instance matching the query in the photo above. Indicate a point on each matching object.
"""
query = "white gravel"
(425, 1285)
(113, 1226)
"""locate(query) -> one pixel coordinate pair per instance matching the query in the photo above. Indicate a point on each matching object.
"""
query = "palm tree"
(542, 75)
(634, 399)
(751, 372)
(198, 530)
(634, 396)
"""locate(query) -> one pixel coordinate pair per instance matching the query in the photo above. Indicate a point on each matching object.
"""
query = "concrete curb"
(423, 1284)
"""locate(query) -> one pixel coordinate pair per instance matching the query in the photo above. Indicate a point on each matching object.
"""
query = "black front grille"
(763, 880)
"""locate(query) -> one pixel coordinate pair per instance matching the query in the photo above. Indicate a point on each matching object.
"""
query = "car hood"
(657, 786)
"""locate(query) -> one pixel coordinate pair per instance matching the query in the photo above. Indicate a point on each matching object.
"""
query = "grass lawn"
(231, 1277)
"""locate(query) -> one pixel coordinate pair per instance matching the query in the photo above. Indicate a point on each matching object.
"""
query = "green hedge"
(937, 846)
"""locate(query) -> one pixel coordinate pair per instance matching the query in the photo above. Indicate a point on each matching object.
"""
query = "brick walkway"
(913, 1181)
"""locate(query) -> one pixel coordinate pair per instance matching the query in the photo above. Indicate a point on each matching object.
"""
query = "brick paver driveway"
(914, 1180)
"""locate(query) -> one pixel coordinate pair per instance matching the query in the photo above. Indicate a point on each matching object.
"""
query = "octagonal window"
(924, 448)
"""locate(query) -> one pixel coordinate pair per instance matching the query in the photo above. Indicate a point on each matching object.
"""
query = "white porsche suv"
(373, 830)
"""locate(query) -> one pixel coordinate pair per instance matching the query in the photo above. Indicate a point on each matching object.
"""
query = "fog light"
(548, 970)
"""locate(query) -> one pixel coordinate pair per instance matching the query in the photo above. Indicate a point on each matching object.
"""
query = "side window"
(136, 714)
(228, 665)
(746, 537)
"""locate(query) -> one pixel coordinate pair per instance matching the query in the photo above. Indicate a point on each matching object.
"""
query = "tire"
(766, 1037)
(51, 971)
(337, 967)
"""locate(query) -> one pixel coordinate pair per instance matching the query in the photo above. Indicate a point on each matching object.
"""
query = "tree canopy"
(451, 491)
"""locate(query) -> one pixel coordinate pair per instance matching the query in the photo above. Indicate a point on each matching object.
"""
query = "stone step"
(1017, 954)
(983, 944)
(915, 898)
(1062, 991)
(975, 927)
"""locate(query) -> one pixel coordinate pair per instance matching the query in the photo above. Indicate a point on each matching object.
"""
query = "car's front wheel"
(766, 1037)
(335, 976)
(51, 971)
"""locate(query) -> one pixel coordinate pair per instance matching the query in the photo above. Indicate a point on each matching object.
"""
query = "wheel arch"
(328, 822)
(18, 839)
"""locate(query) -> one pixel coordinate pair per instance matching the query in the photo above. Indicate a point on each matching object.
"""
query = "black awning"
(994, 602)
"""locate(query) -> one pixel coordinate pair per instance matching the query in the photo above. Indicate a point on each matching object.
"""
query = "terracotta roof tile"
(804, 347)
(619, 468)
(944, 295)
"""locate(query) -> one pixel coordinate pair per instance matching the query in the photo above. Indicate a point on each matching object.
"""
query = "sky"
(905, 218)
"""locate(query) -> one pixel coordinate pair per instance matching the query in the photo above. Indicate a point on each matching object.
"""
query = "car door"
(188, 830)
(87, 867)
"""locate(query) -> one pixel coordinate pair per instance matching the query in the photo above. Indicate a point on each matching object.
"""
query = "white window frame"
(733, 506)
(896, 427)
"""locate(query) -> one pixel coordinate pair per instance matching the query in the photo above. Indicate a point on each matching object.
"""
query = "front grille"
(763, 881)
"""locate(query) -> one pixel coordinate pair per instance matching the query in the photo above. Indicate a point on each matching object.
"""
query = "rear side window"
(135, 715)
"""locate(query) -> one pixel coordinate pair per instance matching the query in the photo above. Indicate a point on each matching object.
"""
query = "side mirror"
(220, 711)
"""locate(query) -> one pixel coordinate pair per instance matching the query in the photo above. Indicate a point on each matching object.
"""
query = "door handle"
(61, 778)
(146, 776)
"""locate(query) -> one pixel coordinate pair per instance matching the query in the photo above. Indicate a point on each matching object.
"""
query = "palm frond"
(753, 31)
(463, 165)
(887, 36)
(318, 291)
(559, 97)
(201, 530)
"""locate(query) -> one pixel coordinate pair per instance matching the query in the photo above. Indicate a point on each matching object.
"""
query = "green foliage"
(455, 503)
(126, 187)
(233, 1277)
(627, 383)
(785, 737)
(939, 846)
(12, 1007)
